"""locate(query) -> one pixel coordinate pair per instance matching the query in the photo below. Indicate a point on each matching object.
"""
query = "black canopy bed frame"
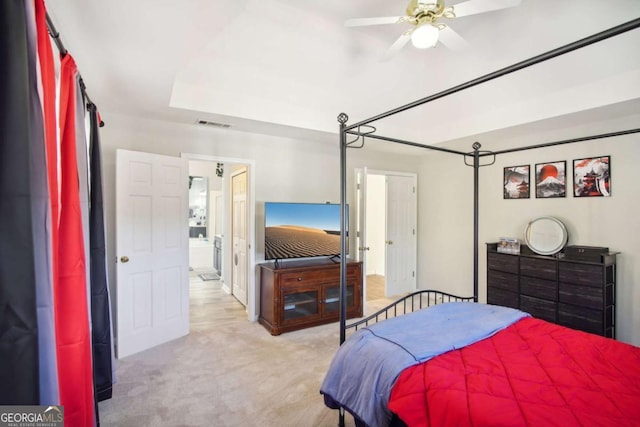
(363, 129)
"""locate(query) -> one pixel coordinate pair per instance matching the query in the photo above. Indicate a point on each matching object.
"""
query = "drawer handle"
(299, 279)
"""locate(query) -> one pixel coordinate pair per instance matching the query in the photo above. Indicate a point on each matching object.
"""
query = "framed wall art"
(551, 179)
(515, 184)
(592, 177)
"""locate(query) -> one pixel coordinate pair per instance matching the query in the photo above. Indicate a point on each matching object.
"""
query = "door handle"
(365, 248)
(235, 259)
(389, 242)
(124, 259)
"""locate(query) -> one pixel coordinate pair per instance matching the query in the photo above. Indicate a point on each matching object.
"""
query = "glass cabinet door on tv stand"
(308, 304)
(331, 298)
(301, 304)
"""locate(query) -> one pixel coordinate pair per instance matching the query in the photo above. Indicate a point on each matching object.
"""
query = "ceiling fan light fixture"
(425, 36)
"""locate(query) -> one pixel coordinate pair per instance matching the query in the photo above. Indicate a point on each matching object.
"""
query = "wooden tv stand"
(305, 293)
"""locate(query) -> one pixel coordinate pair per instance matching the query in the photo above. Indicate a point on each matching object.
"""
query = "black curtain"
(100, 315)
(19, 379)
(41, 223)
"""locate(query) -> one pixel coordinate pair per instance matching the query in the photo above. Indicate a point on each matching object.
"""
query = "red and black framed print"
(515, 184)
(551, 179)
(592, 177)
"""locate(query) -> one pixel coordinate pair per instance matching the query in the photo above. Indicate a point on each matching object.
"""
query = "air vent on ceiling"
(215, 124)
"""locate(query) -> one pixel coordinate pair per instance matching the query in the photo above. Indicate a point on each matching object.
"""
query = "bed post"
(342, 119)
(476, 212)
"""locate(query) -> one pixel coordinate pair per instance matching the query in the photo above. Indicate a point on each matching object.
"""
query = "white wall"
(446, 209)
(308, 171)
(286, 169)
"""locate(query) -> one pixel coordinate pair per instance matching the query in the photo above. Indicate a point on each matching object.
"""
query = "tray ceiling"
(286, 66)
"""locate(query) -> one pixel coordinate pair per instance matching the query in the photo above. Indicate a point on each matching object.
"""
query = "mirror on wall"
(198, 203)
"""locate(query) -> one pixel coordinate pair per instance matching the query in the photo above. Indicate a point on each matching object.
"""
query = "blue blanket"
(366, 366)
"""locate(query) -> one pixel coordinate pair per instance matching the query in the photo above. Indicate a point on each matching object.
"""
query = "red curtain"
(72, 319)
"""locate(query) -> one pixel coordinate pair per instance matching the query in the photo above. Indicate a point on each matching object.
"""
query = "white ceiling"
(289, 67)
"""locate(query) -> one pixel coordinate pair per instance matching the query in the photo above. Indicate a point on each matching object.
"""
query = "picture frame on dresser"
(592, 177)
(551, 179)
(516, 182)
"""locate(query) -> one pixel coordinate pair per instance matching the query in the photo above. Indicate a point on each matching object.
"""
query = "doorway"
(204, 225)
(387, 232)
(236, 279)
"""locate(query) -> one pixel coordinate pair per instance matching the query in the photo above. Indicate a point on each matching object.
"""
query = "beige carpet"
(226, 372)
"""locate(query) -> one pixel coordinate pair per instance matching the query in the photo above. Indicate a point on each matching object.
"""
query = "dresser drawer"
(309, 277)
(540, 288)
(540, 308)
(502, 297)
(581, 274)
(536, 267)
(502, 280)
(312, 277)
(584, 296)
(502, 262)
(584, 319)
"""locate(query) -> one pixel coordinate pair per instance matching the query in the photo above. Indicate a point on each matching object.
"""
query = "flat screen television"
(301, 230)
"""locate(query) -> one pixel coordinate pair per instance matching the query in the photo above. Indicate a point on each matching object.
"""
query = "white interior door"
(401, 235)
(376, 224)
(239, 235)
(152, 248)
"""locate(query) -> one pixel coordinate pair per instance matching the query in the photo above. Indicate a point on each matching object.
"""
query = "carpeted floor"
(226, 372)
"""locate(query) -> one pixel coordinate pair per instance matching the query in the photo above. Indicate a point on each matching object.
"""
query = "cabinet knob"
(299, 279)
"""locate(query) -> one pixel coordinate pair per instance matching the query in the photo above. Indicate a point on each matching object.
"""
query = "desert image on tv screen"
(297, 230)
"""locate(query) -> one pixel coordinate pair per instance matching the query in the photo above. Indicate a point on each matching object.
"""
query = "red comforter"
(532, 373)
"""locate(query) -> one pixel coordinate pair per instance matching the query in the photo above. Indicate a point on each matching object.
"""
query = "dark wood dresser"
(301, 294)
(576, 293)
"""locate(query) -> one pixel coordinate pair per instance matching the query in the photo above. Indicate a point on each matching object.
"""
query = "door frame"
(252, 293)
(362, 216)
(238, 171)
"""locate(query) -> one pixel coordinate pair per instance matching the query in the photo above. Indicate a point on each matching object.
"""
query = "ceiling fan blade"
(473, 7)
(398, 44)
(358, 22)
(452, 40)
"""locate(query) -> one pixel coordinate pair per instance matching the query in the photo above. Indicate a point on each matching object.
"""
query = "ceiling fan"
(427, 28)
